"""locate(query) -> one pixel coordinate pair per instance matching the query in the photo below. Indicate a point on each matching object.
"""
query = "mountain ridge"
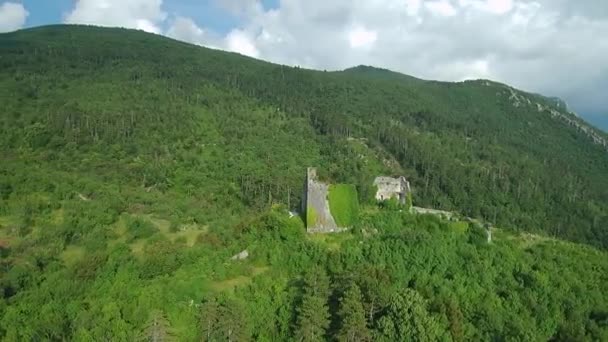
(438, 132)
(365, 70)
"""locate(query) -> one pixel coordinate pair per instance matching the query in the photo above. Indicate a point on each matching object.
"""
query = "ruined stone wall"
(388, 187)
(318, 216)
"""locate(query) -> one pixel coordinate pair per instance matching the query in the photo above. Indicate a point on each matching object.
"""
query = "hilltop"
(379, 73)
(135, 166)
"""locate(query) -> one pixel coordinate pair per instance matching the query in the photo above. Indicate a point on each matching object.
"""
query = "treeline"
(324, 311)
(394, 277)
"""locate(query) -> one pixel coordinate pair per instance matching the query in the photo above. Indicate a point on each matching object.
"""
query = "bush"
(477, 234)
(140, 229)
(174, 226)
(344, 204)
(391, 204)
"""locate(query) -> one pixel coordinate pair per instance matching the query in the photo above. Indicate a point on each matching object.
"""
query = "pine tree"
(209, 319)
(375, 287)
(407, 319)
(313, 318)
(233, 324)
(316, 282)
(455, 318)
(352, 314)
(313, 313)
(158, 328)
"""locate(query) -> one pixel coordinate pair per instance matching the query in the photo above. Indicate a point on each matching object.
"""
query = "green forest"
(134, 167)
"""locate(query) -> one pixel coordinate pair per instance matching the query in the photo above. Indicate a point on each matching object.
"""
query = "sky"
(553, 47)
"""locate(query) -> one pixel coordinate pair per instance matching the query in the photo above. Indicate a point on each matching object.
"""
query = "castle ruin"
(389, 187)
(315, 205)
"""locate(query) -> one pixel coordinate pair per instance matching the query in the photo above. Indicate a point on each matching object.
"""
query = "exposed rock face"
(389, 187)
(316, 206)
(241, 256)
(580, 126)
(562, 113)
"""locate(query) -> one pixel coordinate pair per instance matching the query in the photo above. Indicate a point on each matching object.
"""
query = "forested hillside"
(476, 147)
(134, 166)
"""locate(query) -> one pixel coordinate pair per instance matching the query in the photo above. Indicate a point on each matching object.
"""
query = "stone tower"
(315, 205)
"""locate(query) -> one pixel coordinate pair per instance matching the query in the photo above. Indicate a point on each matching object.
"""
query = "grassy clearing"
(330, 241)
(190, 232)
(232, 283)
(528, 240)
(9, 233)
(72, 254)
(56, 216)
(7, 221)
(137, 248)
(460, 226)
(344, 204)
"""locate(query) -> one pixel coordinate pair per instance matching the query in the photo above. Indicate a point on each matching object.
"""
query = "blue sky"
(45, 12)
(552, 47)
(210, 12)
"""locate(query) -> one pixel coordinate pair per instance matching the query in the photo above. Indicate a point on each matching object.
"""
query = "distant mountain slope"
(224, 134)
(378, 73)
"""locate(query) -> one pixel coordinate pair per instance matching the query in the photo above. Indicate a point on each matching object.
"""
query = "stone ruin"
(315, 205)
(389, 187)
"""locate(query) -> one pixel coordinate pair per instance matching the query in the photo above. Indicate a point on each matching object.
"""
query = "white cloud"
(147, 25)
(12, 16)
(491, 6)
(149, 16)
(466, 70)
(500, 6)
(548, 46)
(553, 47)
(360, 37)
(144, 15)
(441, 8)
(186, 29)
(525, 12)
(240, 41)
(413, 6)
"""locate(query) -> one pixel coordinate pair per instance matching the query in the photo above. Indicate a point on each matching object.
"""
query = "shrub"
(140, 229)
(344, 204)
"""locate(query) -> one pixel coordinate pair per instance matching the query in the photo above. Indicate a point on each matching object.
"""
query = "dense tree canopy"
(133, 167)
(177, 117)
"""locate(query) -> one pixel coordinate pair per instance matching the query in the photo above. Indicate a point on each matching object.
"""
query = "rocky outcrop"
(579, 125)
(518, 99)
(558, 110)
(241, 256)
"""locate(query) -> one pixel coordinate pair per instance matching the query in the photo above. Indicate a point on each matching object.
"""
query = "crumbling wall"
(318, 215)
(388, 187)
